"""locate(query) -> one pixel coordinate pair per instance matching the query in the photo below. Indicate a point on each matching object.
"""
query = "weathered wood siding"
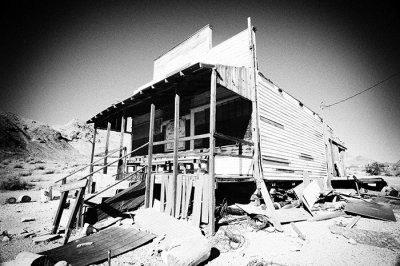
(232, 52)
(237, 79)
(186, 53)
(291, 135)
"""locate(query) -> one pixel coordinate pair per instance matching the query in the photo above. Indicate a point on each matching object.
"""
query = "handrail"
(141, 147)
(116, 183)
(65, 177)
(233, 139)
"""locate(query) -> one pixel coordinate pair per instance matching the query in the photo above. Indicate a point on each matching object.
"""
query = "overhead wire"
(367, 89)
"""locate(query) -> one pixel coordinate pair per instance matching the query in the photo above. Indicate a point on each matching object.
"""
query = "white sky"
(65, 62)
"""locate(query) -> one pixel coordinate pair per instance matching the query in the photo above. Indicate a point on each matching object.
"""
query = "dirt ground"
(321, 247)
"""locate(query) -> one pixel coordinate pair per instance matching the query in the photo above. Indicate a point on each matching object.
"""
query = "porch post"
(175, 159)
(149, 185)
(120, 169)
(106, 148)
(211, 164)
(89, 185)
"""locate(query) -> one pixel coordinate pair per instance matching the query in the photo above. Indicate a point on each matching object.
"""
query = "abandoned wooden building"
(209, 118)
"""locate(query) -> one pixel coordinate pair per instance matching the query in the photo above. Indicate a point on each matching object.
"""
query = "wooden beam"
(106, 148)
(211, 163)
(175, 159)
(74, 212)
(73, 185)
(150, 158)
(60, 209)
(121, 165)
(257, 165)
(90, 179)
(162, 142)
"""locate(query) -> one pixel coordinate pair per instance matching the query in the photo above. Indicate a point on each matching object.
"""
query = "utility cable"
(367, 89)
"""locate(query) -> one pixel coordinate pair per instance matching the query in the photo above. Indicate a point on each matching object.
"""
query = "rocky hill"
(22, 138)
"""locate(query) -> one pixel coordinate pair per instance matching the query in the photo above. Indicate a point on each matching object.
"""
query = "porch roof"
(193, 78)
(152, 88)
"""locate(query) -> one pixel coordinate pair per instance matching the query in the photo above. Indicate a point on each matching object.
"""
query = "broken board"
(370, 209)
(118, 239)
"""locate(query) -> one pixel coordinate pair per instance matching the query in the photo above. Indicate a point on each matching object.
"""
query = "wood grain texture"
(116, 238)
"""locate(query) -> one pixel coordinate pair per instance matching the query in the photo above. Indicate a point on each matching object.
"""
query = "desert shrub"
(40, 167)
(18, 166)
(13, 183)
(373, 169)
(48, 172)
(28, 173)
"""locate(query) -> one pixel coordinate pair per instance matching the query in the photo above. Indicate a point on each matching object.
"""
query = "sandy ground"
(321, 247)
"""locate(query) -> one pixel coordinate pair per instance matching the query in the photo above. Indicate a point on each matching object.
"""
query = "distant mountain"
(358, 160)
(22, 138)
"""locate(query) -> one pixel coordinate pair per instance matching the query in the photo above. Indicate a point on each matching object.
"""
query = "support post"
(106, 148)
(329, 169)
(257, 160)
(120, 169)
(90, 179)
(175, 159)
(149, 186)
(211, 164)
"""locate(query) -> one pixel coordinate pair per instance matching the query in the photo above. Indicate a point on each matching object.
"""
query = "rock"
(45, 238)
(11, 200)
(87, 229)
(24, 198)
(5, 239)
(186, 251)
(27, 219)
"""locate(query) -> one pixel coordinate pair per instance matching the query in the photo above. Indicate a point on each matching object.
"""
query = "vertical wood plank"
(211, 162)
(90, 179)
(205, 199)
(169, 209)
(178, 199)
(188, 194)
(198, 191)
(106, 147)
(151, 197)
(120, 169)
(175, 159)
(162, 192)
(184, 185)
(149, 187)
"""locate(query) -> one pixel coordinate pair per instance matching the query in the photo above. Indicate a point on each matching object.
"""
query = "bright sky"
(73, 60)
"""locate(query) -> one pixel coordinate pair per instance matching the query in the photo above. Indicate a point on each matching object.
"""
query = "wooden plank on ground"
(73, 185)
(205, 199)
(116, 238)
(196, 214)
